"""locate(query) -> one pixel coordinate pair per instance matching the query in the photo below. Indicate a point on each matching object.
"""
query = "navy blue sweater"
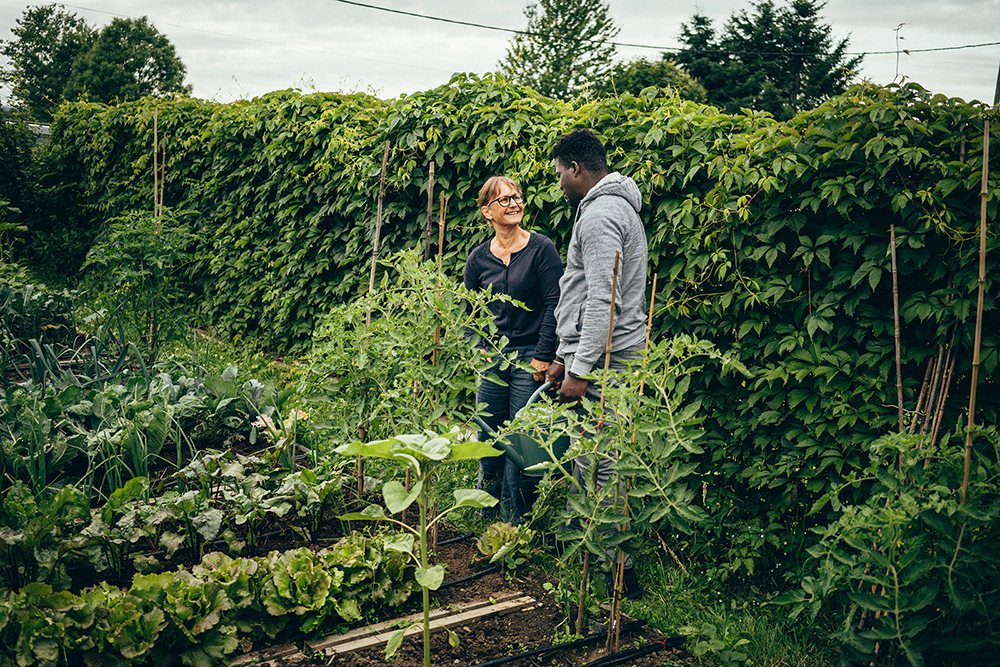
(532, 277)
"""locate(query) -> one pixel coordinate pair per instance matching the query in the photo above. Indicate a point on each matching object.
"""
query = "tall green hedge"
(769, 239)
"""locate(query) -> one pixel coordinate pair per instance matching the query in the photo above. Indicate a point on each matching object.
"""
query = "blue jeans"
(497, 475)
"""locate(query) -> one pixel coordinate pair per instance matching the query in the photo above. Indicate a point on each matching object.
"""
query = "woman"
(527, 267)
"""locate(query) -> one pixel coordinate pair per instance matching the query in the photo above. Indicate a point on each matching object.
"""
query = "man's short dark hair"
(583, 147)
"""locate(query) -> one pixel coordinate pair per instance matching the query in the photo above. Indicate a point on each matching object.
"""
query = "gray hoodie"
(607, 221)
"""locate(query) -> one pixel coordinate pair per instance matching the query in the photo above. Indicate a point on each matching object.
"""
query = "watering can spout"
(502, 443)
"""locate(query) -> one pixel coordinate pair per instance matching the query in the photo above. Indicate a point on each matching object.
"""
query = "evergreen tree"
(566, 47)
(781, 60)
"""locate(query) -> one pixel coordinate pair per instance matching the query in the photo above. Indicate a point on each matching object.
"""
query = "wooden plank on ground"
(378, 628)
(448, 621)
(284, 652)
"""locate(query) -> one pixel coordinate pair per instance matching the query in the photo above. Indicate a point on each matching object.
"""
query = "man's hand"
(554, 374)
(572, 390)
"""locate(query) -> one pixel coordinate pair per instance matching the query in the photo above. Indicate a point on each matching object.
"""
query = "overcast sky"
(237, 50)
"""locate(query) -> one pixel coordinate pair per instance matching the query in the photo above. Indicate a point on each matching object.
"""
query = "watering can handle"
(538, 392)
(534, 397)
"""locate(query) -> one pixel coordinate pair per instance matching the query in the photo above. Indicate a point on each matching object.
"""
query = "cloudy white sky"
(236, 50)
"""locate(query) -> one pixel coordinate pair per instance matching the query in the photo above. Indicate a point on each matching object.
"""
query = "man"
(607, 223)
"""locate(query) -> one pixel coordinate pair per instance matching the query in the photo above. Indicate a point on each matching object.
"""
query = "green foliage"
(16, 162)
(47, 42)
(718, 642)
(414, 363)
(769, 240)
(55, 56)
(782, 60)
(299, 585)
(117, 527)
(911, 566)
(102, 429)
(565, 48)
(35, 547)
(795, 280)
(196, 617)
(635, 76)
(33, 446)
(134, 268)
(128, 59)
(32, 311)
(308, 494)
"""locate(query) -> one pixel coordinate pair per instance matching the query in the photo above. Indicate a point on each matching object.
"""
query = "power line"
(260, 41)
(483, 26)
(659, 48)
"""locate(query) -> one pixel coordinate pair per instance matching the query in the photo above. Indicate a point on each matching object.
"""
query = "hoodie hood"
(615, 185)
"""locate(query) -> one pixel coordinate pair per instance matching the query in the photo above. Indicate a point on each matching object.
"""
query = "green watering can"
(523, 448)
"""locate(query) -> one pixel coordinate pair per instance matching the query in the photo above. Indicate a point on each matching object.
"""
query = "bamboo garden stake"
(378, 229)
(895, 320)
(607, 365)
(442, 214)
(159, 180)
(619, 592)
(983, 192)
(430, 210)
(360, 467)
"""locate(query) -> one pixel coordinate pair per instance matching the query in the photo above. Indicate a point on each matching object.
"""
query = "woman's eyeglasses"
(505, 200)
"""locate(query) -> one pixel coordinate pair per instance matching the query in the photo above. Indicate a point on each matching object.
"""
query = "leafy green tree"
(55, 56)
(129, 59)
(777, 59)
(636, 75)
(47, 41)
(566, 47)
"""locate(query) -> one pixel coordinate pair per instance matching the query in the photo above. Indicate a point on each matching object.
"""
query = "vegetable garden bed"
(526, 629)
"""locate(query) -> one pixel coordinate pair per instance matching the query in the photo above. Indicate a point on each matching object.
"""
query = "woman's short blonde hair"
(492, 186)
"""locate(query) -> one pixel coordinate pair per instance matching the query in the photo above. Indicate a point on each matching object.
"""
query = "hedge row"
(769, 239)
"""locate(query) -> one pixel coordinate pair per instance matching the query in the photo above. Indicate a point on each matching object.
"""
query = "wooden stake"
(983, 192)
(611, 320)
(895, 319)
(156, 170)
(583, 593)
(607, 365)
(614, 632)
(430, 210)
(360, 470)
(932, 397)
(442, 211)
(378, 228)
(649, 331)
(920, 397)
(619, 593)
(442, 216)
(163, 175)
(437, 329)
(939, 415)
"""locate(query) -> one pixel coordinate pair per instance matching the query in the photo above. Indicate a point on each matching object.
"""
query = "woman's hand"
(540, 368)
